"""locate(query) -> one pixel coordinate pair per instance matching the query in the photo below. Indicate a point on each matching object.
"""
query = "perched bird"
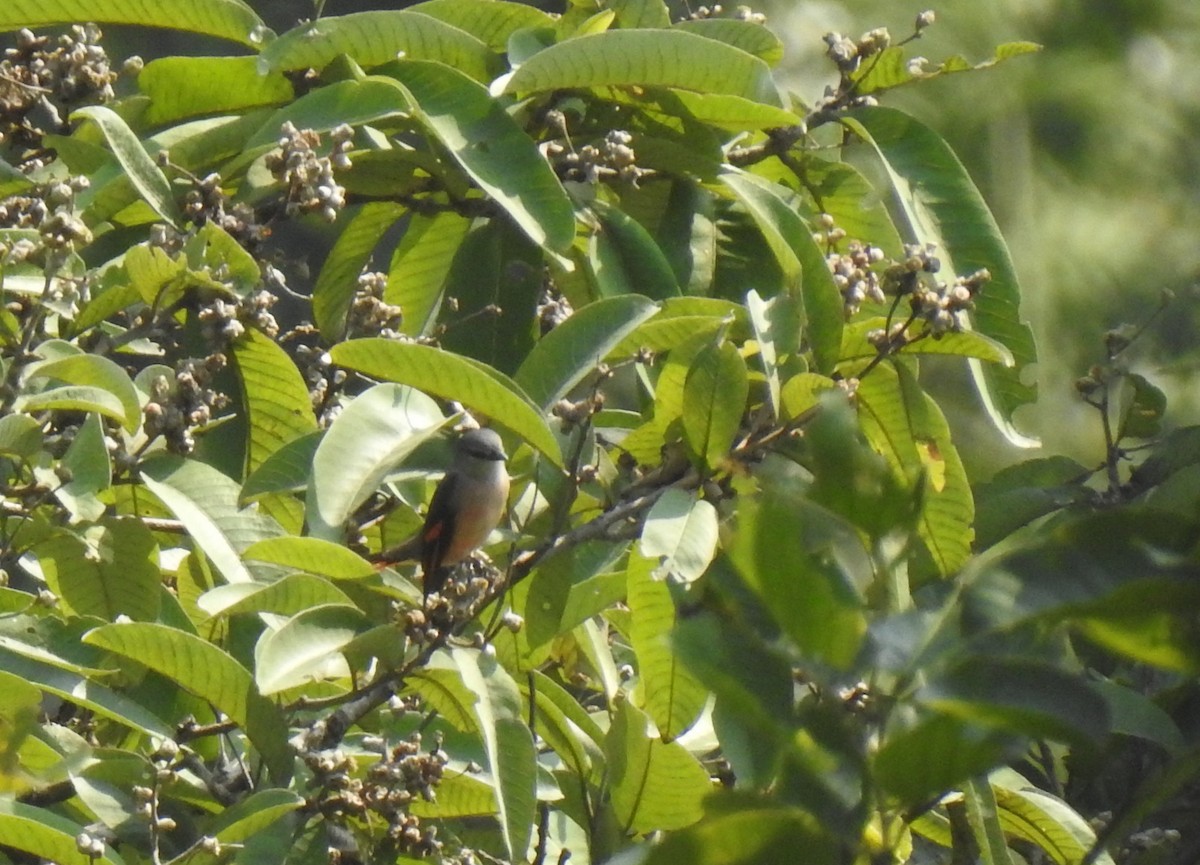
(466, 506)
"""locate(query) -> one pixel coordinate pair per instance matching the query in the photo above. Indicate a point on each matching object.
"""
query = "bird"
(467, 504)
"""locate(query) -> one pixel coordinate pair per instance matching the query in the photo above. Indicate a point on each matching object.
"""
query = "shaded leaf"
(187, 86)
(338, 279)
(714, 400)
(420, 266)
(278, 407)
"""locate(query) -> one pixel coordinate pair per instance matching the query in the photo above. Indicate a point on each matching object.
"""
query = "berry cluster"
(311, 187)
(613, 158)
(741, 13)
(40, 84)
(369, 314)
(178, 406)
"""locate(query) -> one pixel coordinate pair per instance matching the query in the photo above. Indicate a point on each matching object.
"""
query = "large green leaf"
(136, 163)
(655, 785)
(106, 570)
(450, 376)
(189, 86)
(1043, 819)
(375, 38)
(286, 470)
(746, 35)
(286, 597)
(984, 819)
(93, 370)
(206, 501)
(939, 204)
(792, 242)
(45, 835)
(338, 279)
(277, 404)
(204, 670)
(375, 431)
(492, 148)
(570, 352)
(508, 744)
(351, 101)
(754, 834)
(671, 695)
(490, 21)
(714, 395)
(227, 19)
(646, 58)
(73, 398)
(299, 650)
(680, 535)
(625, 259)
(312, 555)
(907, 427)
(420, 266)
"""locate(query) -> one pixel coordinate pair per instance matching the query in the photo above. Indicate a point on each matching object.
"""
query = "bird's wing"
(438, 531)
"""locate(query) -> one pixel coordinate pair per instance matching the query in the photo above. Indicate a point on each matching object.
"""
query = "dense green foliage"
(747, 605)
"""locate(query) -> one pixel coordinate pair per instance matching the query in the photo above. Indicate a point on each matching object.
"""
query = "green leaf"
(508, 744)
(939, 204)
(206, 501)
(984, 820)
(20, 436)
(181, 87)
(570, 586)
(338, 279)
(968, 343)
(566, 726)
(106, 570)
(571, 351)
(420, 266)
(762, 835)
(776, 325)
(906, 425)
(625, 259)
(714, 395)
(226, 19)
(370, 437)
(792, 242)
(680, 319)
(73, 398)
(44, 834)
(1038, 817)
(202, 669)
(285, 597)
(1141, 408)
(1134, 714)
(655, 785)
(492, 148)
(286, 470)
(137, 164)
(672, 696)
(256, 812)
(320, 110)
(277, 405)
(937, 754)
(375, 38)
(1028, 698)
(646, 58)
(298, 652)
(55, 675)
(842, 192)
(490, 21)
(641, 13)
(449, 376)
(749, 37)
(680, 534)
(312, 555)
(889, 68)
(93, 370)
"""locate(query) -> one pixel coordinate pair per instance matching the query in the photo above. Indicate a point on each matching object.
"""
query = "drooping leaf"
(286, 597)
(206, 501)
(645, 58)
(181, 87)
(226, 19)
(672, 696)
(374, 432)
(570, 352)
(375, 38)
(939, 204)
(792, 242)
(625, 259)
(1043, 819)
(44, 834)
(338, 279)
(85, 398)
(714, 394)
(202, 669)
(92, 370)
(420, 266)
(492, 148)
(297, 651)
(278, 407)
(449, 376)
(136, 163)
(324, 108)
(312, 555)
(984, 820)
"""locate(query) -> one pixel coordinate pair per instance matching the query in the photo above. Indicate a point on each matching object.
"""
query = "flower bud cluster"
(854, 275)
(369, 314)
(224, 321)
(403, 775)
(206, 202)
(468, 584)
(552, 309)
(311, 187)
(741, 13)
(612, 158)
(42, 83)
(178, 406)
(847, 54)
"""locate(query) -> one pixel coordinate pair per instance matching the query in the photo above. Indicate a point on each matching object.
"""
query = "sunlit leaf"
(680, 534)
(278, 407)
(106, 570)
(188, 86)
(227, 19)
(137, 164)
(714, 394)
(297, 651)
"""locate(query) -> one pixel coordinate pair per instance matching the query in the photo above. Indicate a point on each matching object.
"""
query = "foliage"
(747, 602)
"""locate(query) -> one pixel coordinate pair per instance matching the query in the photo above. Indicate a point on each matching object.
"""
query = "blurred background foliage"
(1085, 152)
